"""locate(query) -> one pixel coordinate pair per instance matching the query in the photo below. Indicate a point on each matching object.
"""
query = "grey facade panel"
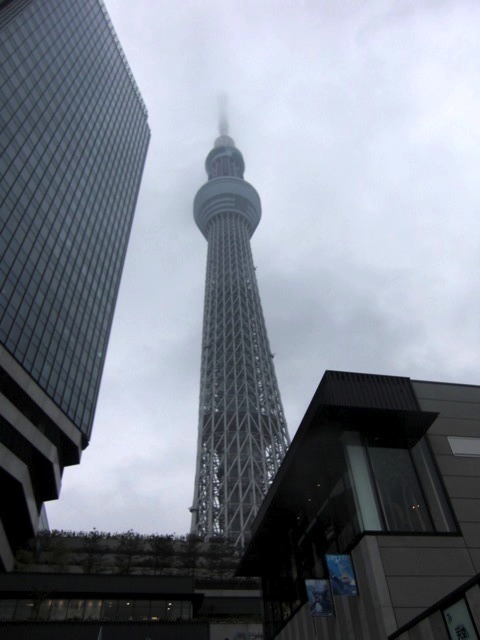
(431, 623)
(437, 625)
(302, 626)
(378, 598)
(462, 486)
(451, 409)
(406, 614)
(424, 561)
(428, 631)
(427, 542)
(422, 591)
(456, 427)
(475, 556)
(439, 443)
(467, 509)
(471, 533)
(440, 391)
(458, 466)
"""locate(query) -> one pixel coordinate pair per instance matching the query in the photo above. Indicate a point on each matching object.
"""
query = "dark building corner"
(382, 469)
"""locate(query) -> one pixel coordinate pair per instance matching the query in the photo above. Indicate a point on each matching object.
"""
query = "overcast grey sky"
(359, 126)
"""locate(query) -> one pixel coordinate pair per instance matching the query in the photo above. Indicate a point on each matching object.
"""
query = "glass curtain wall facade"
(49, 609)
(73, 142)
(73, 137)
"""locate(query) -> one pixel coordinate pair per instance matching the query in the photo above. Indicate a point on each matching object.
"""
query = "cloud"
(359, 128)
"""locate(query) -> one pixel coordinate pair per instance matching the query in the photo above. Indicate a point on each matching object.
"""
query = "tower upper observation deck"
(226, 190)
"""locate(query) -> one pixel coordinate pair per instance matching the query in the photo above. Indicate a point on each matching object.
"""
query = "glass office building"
(73, 141)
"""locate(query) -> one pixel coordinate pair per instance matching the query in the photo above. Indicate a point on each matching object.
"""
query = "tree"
(162, 551)
(93, 560)
(190, 552)
(221, 557)
(129, 545)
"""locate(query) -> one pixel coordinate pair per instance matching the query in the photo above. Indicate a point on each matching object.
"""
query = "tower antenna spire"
(223, 114)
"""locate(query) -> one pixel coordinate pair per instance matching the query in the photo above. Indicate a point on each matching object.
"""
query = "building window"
(469, 447)
(400, 496)
(24, 609)
(396, 487)
(459, 621)
(80, 609)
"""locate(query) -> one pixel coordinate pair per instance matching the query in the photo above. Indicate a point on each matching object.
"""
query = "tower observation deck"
(242, 433)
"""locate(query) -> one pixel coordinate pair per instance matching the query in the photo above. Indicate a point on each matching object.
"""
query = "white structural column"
(242, 434)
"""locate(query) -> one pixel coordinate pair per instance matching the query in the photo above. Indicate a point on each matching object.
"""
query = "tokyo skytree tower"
(242, 433)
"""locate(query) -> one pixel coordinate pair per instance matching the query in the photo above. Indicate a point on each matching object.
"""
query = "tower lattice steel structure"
(242, 434)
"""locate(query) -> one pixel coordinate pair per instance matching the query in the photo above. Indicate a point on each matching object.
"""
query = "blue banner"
(319, 597)
(342, 575)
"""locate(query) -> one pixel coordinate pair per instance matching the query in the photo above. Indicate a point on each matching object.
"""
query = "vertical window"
(366, 504)
(158, 610)
(109, 609)
(58, 610)
(7, 609)
(142, 610)
(437, 501)
(396, 487)
(92, 609)
(75, 610)
(399, 493)
(125, 610)
(24, 610)
(459, 621)
(44, 609)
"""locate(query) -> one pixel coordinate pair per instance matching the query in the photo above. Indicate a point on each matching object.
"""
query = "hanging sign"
(342, 575)
(319, 598)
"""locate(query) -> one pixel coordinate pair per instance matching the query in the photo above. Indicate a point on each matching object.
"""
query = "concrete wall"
(420, 570)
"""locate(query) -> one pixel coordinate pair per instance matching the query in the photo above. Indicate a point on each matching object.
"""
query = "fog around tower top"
(223, 114)
(359, 127)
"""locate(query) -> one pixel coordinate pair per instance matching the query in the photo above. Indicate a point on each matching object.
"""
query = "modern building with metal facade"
(73, 141)
(383, 473)
(242, 434)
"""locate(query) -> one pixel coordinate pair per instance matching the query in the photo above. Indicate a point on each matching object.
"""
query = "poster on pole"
(342, 575)
(319, 598)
